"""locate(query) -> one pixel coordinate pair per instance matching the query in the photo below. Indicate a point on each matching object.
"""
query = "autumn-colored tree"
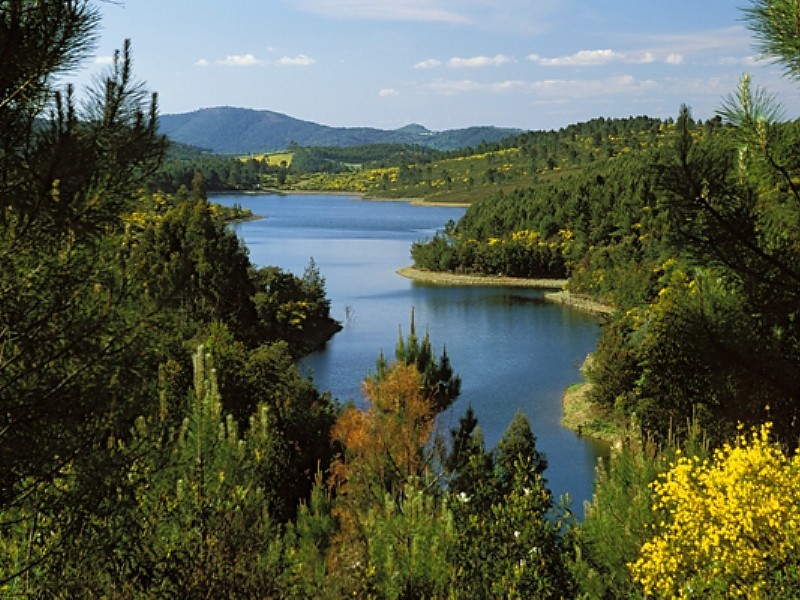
(441, 385)
(383, 446)
(383, 456)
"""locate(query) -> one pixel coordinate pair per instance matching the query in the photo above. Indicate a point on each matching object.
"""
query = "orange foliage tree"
(383, 446)
(383, 456)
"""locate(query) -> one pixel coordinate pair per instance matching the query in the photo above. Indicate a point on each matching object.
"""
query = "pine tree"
(442, 385)
(518, 444)
(70, 307)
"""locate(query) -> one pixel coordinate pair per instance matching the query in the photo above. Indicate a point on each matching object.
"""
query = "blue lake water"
(512, 350)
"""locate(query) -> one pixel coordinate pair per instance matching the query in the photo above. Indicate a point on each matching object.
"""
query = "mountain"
(228, 130)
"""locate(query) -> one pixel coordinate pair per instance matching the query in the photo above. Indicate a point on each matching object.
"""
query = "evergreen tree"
(442, 385)
(507, 543)
(69, 301)
(518, 444)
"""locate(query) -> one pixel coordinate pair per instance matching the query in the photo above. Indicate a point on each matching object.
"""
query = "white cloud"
(250, 60)
(582, 88)
(388, 93)
(740, 61)
(581, 58)
(480, 61)
(301, 60)
(552, 90)
(104, 60)
(508, 86)
(593, 58)
(240, 60)
(732, 38)
(450, 88)
(431, 63)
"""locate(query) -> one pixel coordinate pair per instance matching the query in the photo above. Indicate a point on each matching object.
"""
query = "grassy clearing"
(586, 418)
(273, 159)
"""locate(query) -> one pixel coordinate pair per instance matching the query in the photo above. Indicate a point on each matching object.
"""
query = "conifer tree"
(442, 385)
(735, 205)
(518, 444)
(69, 303)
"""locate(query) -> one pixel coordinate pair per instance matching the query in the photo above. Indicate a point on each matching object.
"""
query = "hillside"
(228, 130)
(484, 170)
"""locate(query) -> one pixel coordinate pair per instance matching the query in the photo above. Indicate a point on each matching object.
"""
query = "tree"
(69, 302)
(774, 23)
(383, 469)
(384, 446)
(507, 541)
(735, 206)
(467, 462)
(442, 386)
(189, 513)
(518, 444)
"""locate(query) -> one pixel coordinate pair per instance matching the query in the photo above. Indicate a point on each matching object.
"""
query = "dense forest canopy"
(158, 440)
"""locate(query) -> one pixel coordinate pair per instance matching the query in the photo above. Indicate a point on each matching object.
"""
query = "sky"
(445, 64)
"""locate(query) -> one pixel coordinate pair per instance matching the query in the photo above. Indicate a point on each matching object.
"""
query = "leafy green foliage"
(774, 23)
(309, 159)
(187, 515)
(507, 542)
(220, 173)
(103, 291)
(71, 324)
(128, 470)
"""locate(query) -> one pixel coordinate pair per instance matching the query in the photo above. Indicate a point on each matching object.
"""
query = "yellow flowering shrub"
(728, 525)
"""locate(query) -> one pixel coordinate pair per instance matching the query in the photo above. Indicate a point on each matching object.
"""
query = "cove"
(511, 348)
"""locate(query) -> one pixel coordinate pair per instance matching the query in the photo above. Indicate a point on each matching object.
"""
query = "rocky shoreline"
(558, 294)
(580, 303)
(441, 278)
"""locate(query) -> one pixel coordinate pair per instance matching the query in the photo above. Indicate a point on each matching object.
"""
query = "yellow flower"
(727, 521)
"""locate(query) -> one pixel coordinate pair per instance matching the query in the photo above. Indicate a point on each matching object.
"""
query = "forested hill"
(229, 130)
(392, 170)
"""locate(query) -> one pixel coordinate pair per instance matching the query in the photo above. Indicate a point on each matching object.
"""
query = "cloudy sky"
(532, 64)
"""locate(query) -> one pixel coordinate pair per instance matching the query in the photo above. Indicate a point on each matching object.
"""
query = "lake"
(512, 350)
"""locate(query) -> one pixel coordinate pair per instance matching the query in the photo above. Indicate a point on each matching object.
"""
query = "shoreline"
(580, 303)
(416, 201)
(588, 420)
(354, 195)
(438, 278)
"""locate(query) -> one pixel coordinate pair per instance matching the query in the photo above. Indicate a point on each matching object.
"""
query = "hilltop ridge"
(232, 130)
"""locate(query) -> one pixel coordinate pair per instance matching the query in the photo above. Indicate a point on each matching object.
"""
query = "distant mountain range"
(228, 130)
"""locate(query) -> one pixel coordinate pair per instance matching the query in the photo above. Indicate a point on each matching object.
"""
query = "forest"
(158, 440)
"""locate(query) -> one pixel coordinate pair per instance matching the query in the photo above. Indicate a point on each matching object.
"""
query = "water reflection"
(512, 349)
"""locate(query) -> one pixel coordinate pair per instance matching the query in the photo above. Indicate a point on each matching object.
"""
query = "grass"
(272, 158)
(587, 418)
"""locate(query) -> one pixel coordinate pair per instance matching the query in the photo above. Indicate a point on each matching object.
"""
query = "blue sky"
(531, 64)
